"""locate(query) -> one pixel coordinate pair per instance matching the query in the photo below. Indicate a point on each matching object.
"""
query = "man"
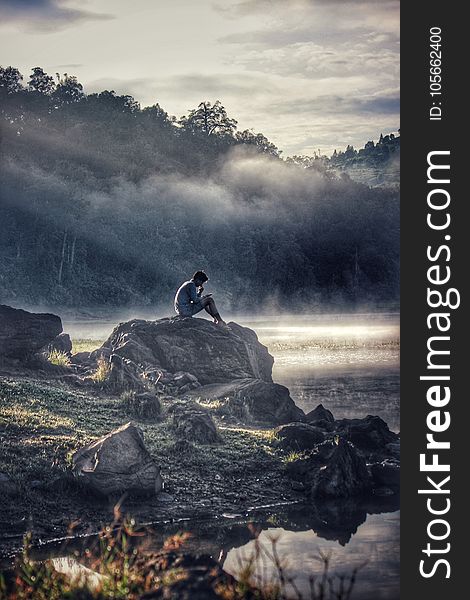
(189, 299)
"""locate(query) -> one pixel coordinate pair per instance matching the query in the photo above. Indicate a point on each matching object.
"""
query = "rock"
(386, 474)
(297, 486)
(344, 474)
(197, 346)
(194, 424)
(116, 463)
(62, 343)
(370, 433)
(123, 375)
(7, 486)
(298, 436)
(394, 449)
(23, 334)
(254, 401)
(321, 417)
(144, 406)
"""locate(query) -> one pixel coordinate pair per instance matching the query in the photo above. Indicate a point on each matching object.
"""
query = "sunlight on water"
(325, 341)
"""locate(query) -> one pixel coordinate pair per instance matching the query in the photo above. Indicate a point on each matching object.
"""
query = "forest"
(104, 203)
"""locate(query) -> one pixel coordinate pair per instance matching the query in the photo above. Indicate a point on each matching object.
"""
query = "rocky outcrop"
(210, 353)
(117, 462)
(357, 456)
(23, 334)
(197, 358)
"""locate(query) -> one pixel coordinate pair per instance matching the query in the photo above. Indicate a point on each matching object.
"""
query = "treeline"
(105, 202)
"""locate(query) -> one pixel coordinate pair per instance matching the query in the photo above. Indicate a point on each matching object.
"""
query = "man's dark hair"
(200, 276)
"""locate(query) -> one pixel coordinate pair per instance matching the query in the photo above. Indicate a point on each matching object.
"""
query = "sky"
(309, 74)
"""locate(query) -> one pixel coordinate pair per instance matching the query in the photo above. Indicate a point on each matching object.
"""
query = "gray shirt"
(185, 297)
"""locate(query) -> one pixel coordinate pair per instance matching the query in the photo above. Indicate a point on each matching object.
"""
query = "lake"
(349, 363)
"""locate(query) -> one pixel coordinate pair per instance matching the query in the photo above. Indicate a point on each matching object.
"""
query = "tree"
(41, 82)
(68, 89)
(258, 140)
(10, 80)
(157, 115)
(209, 119)
(109, 101)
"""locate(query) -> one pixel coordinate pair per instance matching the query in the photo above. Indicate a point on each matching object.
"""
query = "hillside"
(104, 203)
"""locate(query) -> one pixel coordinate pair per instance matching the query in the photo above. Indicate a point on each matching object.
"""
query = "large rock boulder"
(117, 462)
(23, 334)
(254, 401)
(209, 352)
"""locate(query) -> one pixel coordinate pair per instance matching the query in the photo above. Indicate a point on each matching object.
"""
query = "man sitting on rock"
(189, 299)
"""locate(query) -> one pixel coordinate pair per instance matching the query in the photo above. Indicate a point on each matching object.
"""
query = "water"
(350, 363)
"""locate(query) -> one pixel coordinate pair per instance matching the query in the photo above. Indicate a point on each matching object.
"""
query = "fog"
(113, 209)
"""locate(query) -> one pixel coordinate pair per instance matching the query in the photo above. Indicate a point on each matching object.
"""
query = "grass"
(85, 345)
(61, 359)
(102, 371)
(293, 456)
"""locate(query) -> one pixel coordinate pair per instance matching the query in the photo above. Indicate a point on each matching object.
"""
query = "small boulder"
(62, 343)
(194, 424)
(299, 436)
(117, 462)
(321, 417)
(344, 474)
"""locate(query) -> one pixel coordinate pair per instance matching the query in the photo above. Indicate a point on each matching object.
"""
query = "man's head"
(200, 277)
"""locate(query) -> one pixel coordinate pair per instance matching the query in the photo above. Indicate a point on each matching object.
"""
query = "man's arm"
(193, 295)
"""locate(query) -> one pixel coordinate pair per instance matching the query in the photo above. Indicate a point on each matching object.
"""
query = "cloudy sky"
(309, 74)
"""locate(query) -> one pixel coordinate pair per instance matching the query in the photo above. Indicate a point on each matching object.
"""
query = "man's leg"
(211, 308)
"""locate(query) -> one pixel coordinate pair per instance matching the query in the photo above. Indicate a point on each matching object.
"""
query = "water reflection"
(374, 549)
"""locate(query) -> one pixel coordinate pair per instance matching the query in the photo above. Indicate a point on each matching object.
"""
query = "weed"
(102, 371)
(61, 359)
